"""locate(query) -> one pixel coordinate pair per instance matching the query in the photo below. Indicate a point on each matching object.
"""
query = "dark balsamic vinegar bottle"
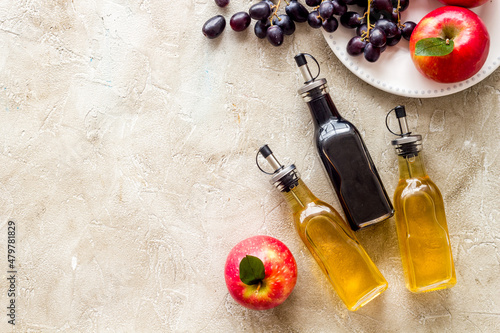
(344, 156)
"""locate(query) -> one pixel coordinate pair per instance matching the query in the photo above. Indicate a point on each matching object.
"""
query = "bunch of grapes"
(377, 25)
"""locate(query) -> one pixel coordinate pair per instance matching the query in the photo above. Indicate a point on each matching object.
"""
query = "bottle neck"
(299, 197)
(411, 166)
(322, 109)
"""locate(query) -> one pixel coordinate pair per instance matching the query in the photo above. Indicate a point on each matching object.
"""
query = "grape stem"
(318, 16)
(399, 15)
(317, 8)
(366, 35)
(275, 7)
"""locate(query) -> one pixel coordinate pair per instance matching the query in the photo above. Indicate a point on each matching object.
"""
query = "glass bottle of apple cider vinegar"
(421, 225)
(329, 238)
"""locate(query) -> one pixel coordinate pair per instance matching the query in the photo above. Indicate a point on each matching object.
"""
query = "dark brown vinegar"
(349, 165)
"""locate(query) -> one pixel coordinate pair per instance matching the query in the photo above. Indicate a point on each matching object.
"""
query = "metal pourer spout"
(401, 115)
(407, 144)
(284, 178)
(301, 61)
(313, 87)
(269, 156)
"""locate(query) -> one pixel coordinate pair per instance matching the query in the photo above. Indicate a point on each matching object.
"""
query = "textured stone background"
(127, 154)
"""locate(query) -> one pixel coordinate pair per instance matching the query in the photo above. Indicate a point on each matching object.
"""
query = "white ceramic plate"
(394, 71)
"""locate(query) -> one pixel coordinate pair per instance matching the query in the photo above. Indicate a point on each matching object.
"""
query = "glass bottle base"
(435, 286)
(368, 297)
(377, 220)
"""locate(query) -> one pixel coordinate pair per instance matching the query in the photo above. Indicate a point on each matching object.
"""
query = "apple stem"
(447, 41)
(258, 287)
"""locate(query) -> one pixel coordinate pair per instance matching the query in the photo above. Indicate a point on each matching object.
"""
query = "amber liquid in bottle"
(336, 249)
(422, 229)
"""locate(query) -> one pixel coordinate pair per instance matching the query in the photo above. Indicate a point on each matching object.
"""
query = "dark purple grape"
(362, 29)
(270, 3)
(350, 2)
(339, 7)
(390, 28)
(331, 24)
(314, 20)
(356, 46)
(362, 3)
(222, 3)
(260, 28)
(394, 40)
(407, 29)
(240, 21)
(402, 3)
(374, 15)
(296, 11)
(351, 20)
(285, 23)
(214, 26)
(275, 35)
(371, 52)
(326, 9)
(383, 7)
(260, 11)
(394, 16)
(313, 3)
(377, 37)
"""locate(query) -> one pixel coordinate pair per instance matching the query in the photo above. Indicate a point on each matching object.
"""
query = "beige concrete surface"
(127, 162)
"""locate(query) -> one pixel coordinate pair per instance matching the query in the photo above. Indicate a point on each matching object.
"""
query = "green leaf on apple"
(252, 270)
(434, 47)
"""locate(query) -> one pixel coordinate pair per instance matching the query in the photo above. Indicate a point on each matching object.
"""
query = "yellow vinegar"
(336, 249)
(422, 230)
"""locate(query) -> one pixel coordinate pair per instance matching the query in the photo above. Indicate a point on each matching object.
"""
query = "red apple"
(464, 3)
(450, 44)
(260, 272)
